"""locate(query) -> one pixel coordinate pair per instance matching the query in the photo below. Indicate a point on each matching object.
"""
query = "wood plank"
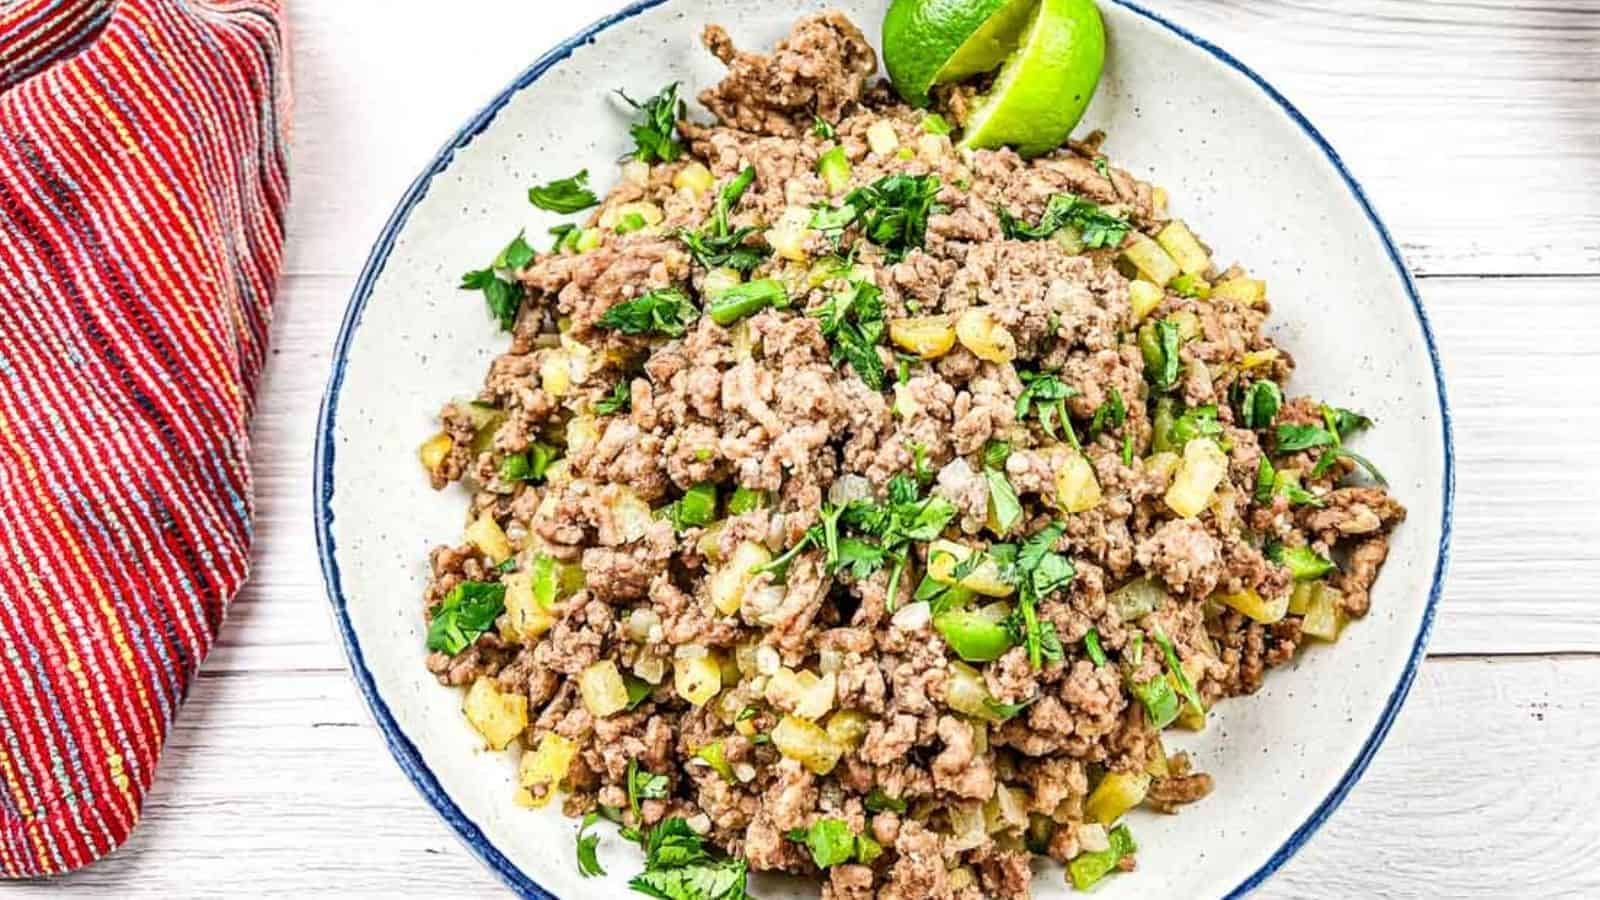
(1526, 539)
(1473, 125)
(285, 788)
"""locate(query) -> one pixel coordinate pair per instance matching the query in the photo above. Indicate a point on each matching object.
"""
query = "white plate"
(1241, 164)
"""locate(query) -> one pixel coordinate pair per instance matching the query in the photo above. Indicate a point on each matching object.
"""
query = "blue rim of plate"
(405, 752)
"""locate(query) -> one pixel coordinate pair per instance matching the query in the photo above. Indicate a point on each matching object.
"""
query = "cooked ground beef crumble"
(773, 690)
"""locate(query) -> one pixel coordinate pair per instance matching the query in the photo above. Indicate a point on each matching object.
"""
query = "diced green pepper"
(746, 499)
(747, 299)
(1304, 563)
(1086, 869)
(713, 754)
(974, 636)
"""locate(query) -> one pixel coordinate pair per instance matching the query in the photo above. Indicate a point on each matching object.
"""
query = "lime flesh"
(989, 46)
(1046, 84)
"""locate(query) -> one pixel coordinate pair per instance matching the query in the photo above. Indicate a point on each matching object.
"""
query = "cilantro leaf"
(620, 400)
(1160, 343)
(679, 867)
(1098, 227)
(642, 784)
(1091, 646)
(859, 557)
(501, 294)
(719, 244)
(892, 212)
(822, 128)
(588, 862)
(1110, 414)
(1185, 686)
(1343, 422)
(661, 311)
(1259, 404)
(1005, 711)
(1045, 397)
(1196, 422)
(1326, 462)
(1294, 438)
(467, 612)
(830, 841)
(655, 132)
(564, 195)
(878, 801)
(853, 322)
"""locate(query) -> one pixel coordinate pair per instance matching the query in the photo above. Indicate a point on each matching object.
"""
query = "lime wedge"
(928, 42)
(1046, 84)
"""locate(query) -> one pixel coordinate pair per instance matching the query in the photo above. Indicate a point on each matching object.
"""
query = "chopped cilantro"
(1259, 404)
(1098, 227)
(661, 311)
(1045, 397)
(1159, 342)
(830, 841)
(620, 400)
(822, 128)
(854, 325)
(564, 195)
(892, 212)
(1091, 646)
(467, 612)
(501, 294)
(878, 801)
(588, 862)
(679, 867)
(1293, 438)
(719, 244)
(1110, 414)
(655, 133)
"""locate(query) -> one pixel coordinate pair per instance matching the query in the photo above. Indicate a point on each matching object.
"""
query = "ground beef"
(607, 569)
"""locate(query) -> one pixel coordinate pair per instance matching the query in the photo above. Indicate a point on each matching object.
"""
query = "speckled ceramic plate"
(1241, 164)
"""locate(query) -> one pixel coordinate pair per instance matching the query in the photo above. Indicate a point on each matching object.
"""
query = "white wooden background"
(1475, 125)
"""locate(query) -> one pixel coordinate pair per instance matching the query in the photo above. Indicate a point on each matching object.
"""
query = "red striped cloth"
(142, 190)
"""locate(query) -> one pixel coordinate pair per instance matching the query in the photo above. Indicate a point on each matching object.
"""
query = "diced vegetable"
(604, 692)
(947, 558)
(554, 581)
(1187, 285)
(1255, 606)
(435, 450)
(806, 743)
(788, 236)
(1077, 488)
(697, 678)
(1324, 617)
(527, 619)
(720, 281)
(847, 727)
(974, 636)
(1181, 244)
(582, 430)
(1257, 358)
(1086, 869)
(1136, 598)
(1203, 468)
(545, 768)
(485, 534)
(930, 337)
(933, 147)
(746, 499)
(1161, 703)
(588, 239)
(881, 137)
(835, 169)
(1144, 297)
(1303, 562)
(1007, 810)
(694, 178)
(617, 218)
(714, 756)
(978, 331)
(498, 717)
(727, 586)
(801, 693)
(966, 693)
(1249, 291)
(1152, 262)
(1116, 793)
(486, 421)
(747, 299)
(631, 513)
(1187, 323)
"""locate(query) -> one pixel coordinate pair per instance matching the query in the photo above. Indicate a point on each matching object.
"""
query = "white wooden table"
(1474, 124)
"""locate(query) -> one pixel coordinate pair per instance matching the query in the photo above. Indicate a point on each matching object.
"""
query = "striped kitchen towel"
(142, 192)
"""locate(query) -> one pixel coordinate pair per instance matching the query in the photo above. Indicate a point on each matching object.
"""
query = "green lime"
(928, 42)
(1046, 84)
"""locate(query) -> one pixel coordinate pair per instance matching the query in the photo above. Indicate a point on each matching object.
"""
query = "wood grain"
(280, 786)
(1476, 127)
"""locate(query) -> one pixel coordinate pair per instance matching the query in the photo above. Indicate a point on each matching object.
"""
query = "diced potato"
(1188, 324)
(498, 717)
(1258, 358)
(905, 405)
(1157, 766)
(694, 178)
(802, 693)
(1300, 597)
(435, 450)
(1181, 244)
(555, 373)
(1162, 464)
(1137, 598)
(527, 619)
(978, 331)
(1151, 261)
(881, 137)
(1250, 291)
(1069, 238)
(930, 337)
(933, 147)
(1324, 615)
(789, 235)
(1158, 198)
(1007, 810)
(1116, 793)
(1077, 489)
(944, 557)
(632, 514)
(709, 544)
(1203, 468)
(966, 693)
(727, 585)
(1144, 297)
(486, 535)
(806, 743)
(697, 678)
(545, 768)
(1255, 606)
(847, 728)
(717, 281)
(582, 430)
(604, 692)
